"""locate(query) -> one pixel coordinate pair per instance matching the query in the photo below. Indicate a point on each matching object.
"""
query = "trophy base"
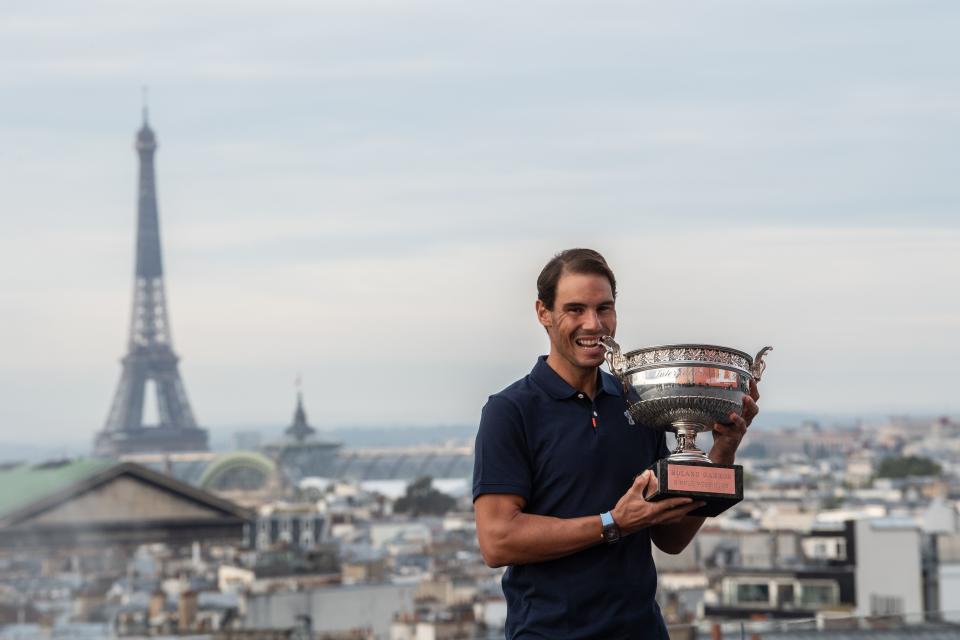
(719, 485)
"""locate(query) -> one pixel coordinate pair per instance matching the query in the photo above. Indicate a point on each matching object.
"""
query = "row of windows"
(825, 548)
(287, 523)
(781, 592)
(307, 540)
(305, 531)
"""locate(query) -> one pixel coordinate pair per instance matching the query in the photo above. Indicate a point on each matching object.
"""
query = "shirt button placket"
(593, 412)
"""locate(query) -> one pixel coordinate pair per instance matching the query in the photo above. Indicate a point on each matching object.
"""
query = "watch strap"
(610, 532)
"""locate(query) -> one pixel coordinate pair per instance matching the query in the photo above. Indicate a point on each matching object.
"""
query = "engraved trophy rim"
(622, 363)
(689, 345)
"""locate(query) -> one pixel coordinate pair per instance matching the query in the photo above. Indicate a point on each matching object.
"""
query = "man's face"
(582, 312)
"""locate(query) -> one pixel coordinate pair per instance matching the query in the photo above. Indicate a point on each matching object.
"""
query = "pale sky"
(364, 193)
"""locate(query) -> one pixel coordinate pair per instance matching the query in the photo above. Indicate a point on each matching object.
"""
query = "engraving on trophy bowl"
(684, 388)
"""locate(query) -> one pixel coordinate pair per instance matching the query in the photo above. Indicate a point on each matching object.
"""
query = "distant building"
(332, 609)
(410, 463)
(889, 567)
(300, 453)
(81, 503)
(865, 567)
(245, 477)
(298, 526)
(782, 593)
(295, 569)
(945, 549)
(253, 478)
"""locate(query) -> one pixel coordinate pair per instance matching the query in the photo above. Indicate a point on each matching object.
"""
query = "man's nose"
(591, 321)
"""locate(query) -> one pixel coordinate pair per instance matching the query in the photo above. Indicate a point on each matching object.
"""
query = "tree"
(907, 466)
(422, 499)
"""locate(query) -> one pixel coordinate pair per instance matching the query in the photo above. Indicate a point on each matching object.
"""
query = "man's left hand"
(727, 437)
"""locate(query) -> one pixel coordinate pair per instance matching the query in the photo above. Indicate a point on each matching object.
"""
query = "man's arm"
(507, 535)
(674, 537)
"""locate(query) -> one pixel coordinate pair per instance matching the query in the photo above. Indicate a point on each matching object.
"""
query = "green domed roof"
(232, 465)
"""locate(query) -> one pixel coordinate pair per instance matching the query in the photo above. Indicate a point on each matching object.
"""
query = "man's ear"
(543, 314)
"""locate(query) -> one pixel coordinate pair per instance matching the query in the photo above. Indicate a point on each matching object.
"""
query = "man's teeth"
(584, 342)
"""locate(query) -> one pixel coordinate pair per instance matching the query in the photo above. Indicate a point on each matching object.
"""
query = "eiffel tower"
(150, 360)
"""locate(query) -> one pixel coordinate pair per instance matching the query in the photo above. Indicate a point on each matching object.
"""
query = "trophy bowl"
(684, 388)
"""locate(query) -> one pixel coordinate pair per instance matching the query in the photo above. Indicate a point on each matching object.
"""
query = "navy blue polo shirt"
(537, 440)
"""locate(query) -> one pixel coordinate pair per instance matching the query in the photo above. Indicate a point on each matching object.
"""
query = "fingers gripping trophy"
(686, 389)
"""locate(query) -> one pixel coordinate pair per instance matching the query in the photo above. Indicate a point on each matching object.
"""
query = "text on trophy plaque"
(703, 479)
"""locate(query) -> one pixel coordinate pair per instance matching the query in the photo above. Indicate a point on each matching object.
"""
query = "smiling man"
(559, 476)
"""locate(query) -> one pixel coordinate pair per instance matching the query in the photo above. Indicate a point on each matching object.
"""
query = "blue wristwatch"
(611, 532)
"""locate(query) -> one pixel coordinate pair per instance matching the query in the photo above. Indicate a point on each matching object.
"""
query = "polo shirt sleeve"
(501, 462)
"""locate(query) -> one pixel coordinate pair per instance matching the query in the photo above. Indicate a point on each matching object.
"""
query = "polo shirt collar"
(559, 389)
(609, 384)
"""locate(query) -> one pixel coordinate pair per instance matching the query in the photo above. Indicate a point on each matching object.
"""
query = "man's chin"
(590, 362)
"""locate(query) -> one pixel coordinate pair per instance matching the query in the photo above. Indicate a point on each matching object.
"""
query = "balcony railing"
(933, 624)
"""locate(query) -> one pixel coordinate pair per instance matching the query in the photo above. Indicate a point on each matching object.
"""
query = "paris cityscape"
(271, 434)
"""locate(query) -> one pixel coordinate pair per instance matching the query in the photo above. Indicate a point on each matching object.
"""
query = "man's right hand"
(633, 512)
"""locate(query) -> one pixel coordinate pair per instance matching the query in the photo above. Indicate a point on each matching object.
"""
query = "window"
(819, 594)
(885, 605)
(754, 592)
(306, 540)
(286, 530)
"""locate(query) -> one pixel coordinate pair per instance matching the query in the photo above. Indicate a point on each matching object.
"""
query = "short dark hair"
(571, 261)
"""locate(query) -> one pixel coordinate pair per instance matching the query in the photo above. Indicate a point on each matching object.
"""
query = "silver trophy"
(686, 389)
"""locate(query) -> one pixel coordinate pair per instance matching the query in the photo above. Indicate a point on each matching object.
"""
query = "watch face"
(610, 533)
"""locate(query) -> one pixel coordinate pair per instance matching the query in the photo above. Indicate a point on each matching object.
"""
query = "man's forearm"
(528, 538)
(674, 538)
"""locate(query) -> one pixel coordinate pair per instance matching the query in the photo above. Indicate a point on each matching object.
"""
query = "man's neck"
(581, 379)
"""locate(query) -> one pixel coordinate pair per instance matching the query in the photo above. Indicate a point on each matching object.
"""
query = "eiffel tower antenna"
(145, 102)
(150, 357)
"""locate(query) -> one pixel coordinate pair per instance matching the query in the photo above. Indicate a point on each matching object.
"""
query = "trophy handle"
(614, 356)
(758, 364)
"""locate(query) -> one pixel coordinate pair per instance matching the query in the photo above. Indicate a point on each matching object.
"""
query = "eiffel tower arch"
(150, 360)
